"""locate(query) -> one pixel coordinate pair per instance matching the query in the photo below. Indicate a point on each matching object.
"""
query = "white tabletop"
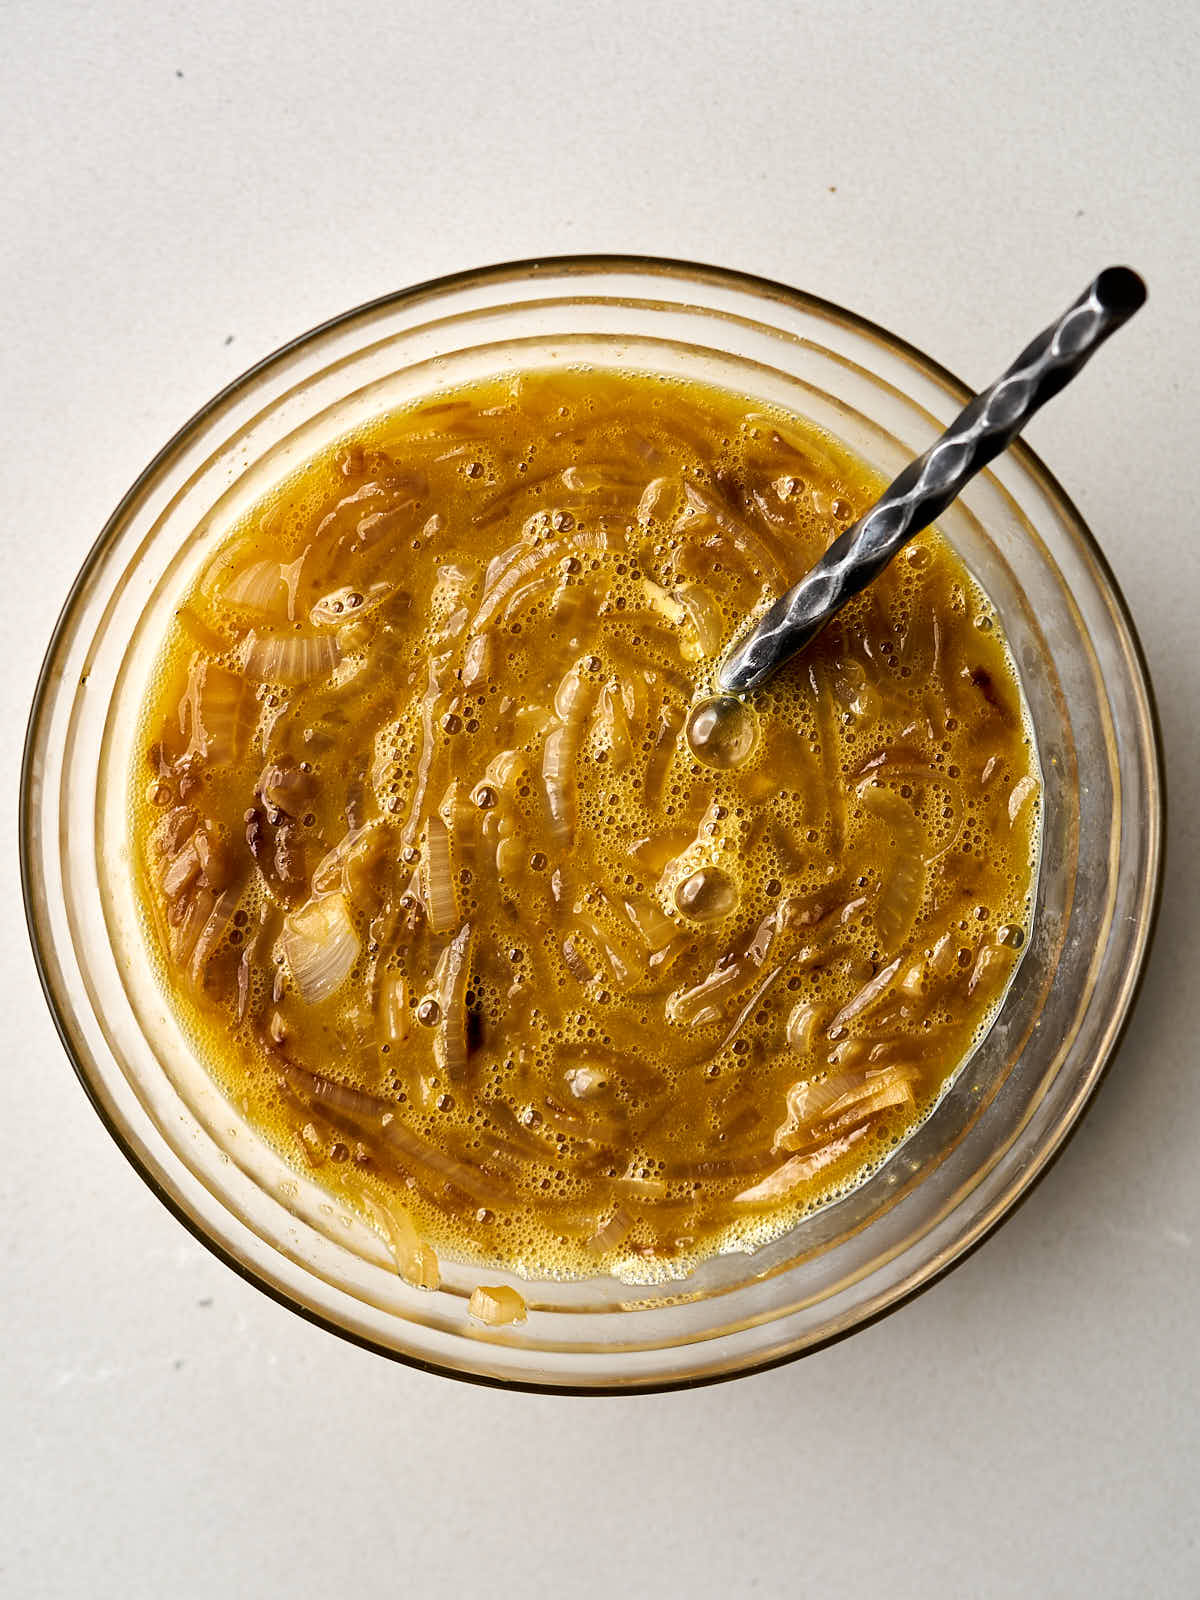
(188, 186)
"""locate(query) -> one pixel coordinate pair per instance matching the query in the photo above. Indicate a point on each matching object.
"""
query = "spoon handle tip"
(923, 490)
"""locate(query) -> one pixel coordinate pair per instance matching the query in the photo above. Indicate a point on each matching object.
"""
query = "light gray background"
(185, 187)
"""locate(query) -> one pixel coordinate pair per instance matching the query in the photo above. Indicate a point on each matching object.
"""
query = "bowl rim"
(560, 266)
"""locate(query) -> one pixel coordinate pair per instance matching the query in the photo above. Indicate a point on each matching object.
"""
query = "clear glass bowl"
(1008, 1111)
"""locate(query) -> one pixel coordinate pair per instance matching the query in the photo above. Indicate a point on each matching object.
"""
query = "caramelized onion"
(659, 764)
(182, 872)
(731, 973)
(395, 1021)
(377, 1121)
(656, 497)
(188, 918)
(989, 964)
(1024, 789)
(598, 477)
(800, 1169)
(287, 657)
(215, 713)
(841, 1101)
(656, 928)
(585, 1082)
(441, 902)
(336, 869)
(867, 995)
(612, 718)
(347, 603)
(801, 1026)
(320, 946)
(572, 703)
(612, 1233)
(477, 659)
(904, 883)
(743, 1016)
(217, 925)
(704, 615)
(416, 1262)
(662, 602)
(496, 1305)
(258, 586)
(496, 594)
(621, 961)
(450, 1045)
(576, 965)
(438, 666)
(601, 535)
(876, 1095)
(749, 544)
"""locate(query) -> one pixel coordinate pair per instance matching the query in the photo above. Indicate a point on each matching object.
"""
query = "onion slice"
(656, 497)
(220, 920)
(429, 745)
(333, 871)
(477, 659)
(287, 657)
(320, 946)
(613, 1233)
(182, 872)
(990, 957)
(377, 1120)
(841, 1100)
(614, 720)
(702, 502)
(539, 559)
(347, 604)
(572, 703)
(575, 963)
(652, 923)
(496, 1305)
(441, 902)
(659, 764)
(416, 1262)
(186, 933)
(867, 995)
(801, 1025)
(216, 713)
(450, 1046)
(731, 973)
(798, 1170)
(743, 1016)
(904, 884)
(703, 614)
(869, 1102)
(394, 1020)
(256, 586)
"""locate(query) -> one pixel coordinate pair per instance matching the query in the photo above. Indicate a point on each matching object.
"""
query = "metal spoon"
(927, 485)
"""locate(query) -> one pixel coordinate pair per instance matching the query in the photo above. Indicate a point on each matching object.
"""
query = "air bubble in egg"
(721, 732)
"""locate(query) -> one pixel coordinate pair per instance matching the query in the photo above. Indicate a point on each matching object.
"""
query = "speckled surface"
(186, 188)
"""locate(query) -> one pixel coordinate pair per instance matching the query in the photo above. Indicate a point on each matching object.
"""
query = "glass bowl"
(1009, 1109)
